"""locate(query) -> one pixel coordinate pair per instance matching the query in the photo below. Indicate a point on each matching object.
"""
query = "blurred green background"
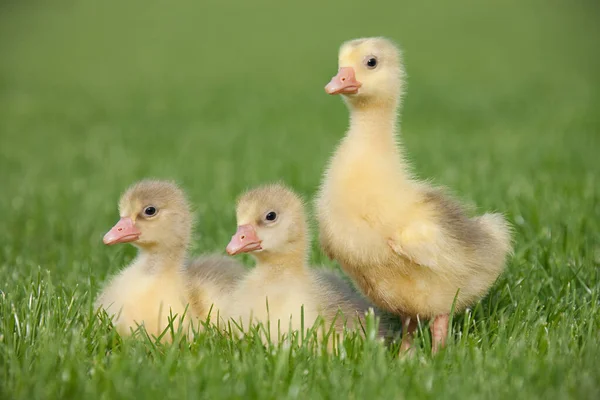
(502, 106)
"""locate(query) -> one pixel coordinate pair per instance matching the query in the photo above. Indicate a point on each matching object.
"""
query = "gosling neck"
(373, 120)
(159, 258)
(293, 257)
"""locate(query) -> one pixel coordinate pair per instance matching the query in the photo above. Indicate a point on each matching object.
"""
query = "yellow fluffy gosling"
(272, 227)
(156, 218)
(410, 247)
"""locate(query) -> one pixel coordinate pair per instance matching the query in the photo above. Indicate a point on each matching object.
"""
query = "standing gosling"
(410, 247)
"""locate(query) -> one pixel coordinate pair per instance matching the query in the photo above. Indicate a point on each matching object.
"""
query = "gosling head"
(271, 222)
(154, 214)
(370, 71)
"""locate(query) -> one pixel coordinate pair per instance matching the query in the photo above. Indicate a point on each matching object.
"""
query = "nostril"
(242, 237)
(343, 79)
(120, 229)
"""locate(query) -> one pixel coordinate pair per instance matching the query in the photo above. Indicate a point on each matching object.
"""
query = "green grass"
(502, 107)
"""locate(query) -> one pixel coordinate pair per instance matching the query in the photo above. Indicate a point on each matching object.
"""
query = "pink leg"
(439, 331)
(409, 326)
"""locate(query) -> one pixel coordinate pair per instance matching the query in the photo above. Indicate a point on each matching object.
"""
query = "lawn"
(502, 107)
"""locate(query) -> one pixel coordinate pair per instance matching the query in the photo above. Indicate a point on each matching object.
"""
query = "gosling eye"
(150, 211)
(371, 62)
(271, 216)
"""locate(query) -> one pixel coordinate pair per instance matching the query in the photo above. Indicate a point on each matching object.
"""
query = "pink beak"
(344, 82)
(245, 240)
(124, 231)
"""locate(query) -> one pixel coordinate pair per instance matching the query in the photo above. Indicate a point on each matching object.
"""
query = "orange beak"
(124, 231)
(245, 240)
(344, 82)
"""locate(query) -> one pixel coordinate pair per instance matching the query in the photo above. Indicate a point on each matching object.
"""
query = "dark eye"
(271, 216)
(150, 211)
(371, 62)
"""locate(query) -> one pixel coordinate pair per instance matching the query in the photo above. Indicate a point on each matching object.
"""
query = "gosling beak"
(124, 231)
(245, 240)
(344, 82)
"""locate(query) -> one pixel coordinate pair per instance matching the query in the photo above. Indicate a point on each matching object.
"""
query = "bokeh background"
(502, 106)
